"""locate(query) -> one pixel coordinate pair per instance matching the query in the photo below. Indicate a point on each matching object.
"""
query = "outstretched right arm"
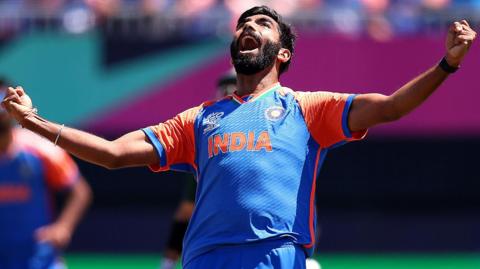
(132, 149)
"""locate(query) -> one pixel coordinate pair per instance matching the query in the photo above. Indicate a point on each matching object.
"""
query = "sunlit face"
(255, 45)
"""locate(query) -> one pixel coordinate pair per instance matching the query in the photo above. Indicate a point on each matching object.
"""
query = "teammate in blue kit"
(32, 170)
(256, 153)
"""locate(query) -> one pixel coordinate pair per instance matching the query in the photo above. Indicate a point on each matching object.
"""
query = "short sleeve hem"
(157, 145)
(346, 109)
(346, 131)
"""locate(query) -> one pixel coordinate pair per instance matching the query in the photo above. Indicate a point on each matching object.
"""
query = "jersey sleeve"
(326, 116)
(174, 141)
(60, 170)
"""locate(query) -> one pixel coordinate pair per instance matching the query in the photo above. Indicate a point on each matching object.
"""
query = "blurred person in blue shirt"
(32, 171)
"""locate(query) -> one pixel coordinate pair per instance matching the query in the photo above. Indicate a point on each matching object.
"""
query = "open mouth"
(249, 44)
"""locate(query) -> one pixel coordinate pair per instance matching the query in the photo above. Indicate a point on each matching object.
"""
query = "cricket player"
(32, 170)
(256, 154)
(225, 86)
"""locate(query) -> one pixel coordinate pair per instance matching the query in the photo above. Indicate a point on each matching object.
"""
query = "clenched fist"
(18, 104)
(459, 39)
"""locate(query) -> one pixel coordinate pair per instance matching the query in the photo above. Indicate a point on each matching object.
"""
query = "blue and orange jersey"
(256, 158)
(30, 172)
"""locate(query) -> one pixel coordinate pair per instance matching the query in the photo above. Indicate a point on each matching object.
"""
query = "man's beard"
(248, 64)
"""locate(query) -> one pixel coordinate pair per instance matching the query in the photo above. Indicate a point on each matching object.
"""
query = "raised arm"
(371, 109)
(132, 149)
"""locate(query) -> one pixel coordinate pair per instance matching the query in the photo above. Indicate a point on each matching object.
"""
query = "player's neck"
(256, 83)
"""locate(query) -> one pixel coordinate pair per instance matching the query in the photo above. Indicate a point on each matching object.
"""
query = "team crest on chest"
(274, 113)
(211, 121)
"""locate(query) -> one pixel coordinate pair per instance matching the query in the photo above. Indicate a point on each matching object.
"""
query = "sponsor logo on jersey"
(238, 141)
(274, 113)
(211, 121)
(10, 193)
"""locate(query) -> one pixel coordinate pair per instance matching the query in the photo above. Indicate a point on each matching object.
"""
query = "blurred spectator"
(436, 4)
(284, 7)
(47, 7)
(188, 8)
(380, 19)
(375, 6)
(152, 7)
(104, 8)
(379, 28)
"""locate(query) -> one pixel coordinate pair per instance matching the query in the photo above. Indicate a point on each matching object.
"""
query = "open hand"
(459, 39)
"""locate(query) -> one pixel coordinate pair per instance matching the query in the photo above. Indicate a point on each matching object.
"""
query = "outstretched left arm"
(371, 109)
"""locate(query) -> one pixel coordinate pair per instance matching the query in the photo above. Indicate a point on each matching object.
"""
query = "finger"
(466, 31)
(457, 27)
(12, 98)
(459, 41)
(464, 42)
(470, 34)
(465, 37)
(11, 91)
(19, 90)
(17, 106)
(465, 22)
(452, 28)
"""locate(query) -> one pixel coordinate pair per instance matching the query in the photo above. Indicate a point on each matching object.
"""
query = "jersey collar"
(253, 97)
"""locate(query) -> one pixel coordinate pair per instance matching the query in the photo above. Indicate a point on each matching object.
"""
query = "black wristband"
(446, 67)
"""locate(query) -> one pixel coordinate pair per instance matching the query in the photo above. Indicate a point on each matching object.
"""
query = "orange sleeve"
(174, 140)
(60, 171)
(326, 116)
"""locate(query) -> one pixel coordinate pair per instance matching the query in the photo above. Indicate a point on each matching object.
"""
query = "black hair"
(287, 33)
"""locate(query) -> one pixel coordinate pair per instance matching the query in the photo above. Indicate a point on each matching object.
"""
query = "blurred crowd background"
(112, 66)
(381, 19)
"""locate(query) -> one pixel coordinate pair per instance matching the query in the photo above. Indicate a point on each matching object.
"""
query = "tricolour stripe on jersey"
(261, 94)
(321, 153)
(237, 99)
(159, 148)
(240, 100)
(346, 109)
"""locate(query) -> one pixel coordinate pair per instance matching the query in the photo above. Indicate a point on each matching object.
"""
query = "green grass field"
(328, 261)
